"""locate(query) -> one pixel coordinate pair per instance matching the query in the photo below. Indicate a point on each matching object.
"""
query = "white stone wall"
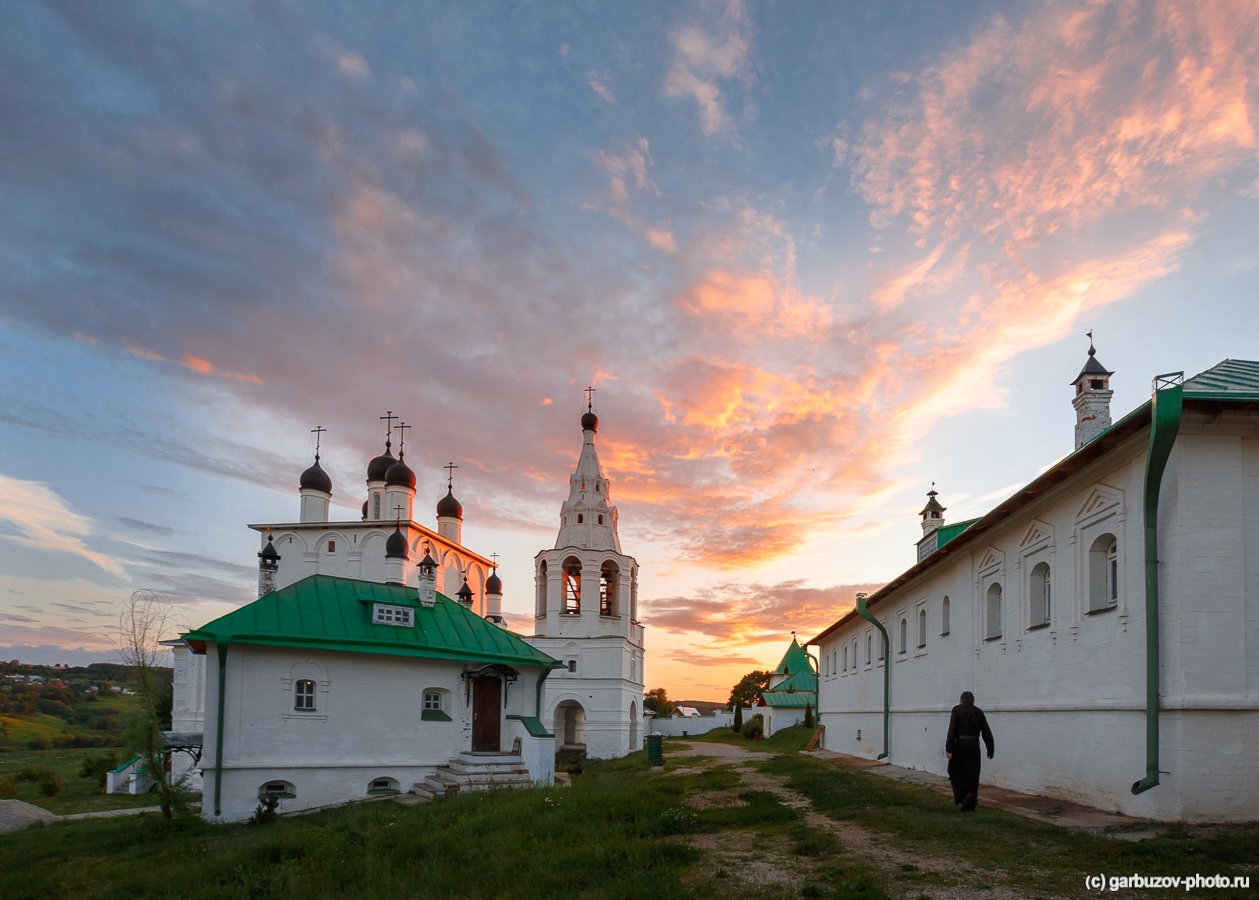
(603, 685)
(1067, 701)
(367, 724)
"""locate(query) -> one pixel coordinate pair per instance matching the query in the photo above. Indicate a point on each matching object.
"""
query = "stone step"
(459, 766)
(473, 772)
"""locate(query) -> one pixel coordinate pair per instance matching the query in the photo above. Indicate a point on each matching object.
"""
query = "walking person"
(967, 724)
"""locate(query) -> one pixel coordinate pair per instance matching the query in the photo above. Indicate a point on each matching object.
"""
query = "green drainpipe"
(887, 670)
(537, 697)
(1165, 409)
(218, 737)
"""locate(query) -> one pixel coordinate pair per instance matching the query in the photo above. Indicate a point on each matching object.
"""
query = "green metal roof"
(794, 660)
(800, 687)
(946, 533)
(796, 700)
(328, 613)
(1233, 378)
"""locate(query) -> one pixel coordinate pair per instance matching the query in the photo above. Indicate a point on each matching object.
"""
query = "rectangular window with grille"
(304, 695)
(393, 615)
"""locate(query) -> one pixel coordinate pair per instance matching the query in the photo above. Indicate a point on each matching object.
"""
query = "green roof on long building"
(323, 612)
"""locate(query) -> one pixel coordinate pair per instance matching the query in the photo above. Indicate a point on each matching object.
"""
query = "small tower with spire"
(1092, 398)
(396, 553)
(400, 481)
(376, 507)
(428, 579)
(450, 510)
(315, 486)
(268, 565)
(932, 521)
(494, 597)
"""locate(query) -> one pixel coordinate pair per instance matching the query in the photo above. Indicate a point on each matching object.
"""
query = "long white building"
(1106, 616)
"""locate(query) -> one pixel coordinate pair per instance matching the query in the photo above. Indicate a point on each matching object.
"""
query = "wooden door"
(487, 714)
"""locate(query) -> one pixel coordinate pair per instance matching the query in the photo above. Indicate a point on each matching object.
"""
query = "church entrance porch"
(570, 726)
(487, 714)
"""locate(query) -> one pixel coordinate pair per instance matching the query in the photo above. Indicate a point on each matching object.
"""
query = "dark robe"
(967, 724)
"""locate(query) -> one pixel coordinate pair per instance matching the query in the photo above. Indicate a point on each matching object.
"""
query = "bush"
(755, 727)
(265, 813)
(96, 767)
(50, 784)
(808, 715)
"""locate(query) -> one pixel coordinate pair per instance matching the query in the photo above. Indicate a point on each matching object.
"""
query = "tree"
(142, 621)
(738, 718)
(808, 715)
(749, 689)
(657, 700)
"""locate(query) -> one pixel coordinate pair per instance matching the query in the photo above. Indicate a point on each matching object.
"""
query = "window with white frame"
(1039, 595)
(1103, 573)
(903, 643)
(922, 627)
(383, 614)
(992, 612)
(434, 708)
(304, 695)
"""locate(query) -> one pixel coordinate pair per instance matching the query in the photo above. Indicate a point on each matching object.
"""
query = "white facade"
(1039, 609)
(586, 616)
(367, 727)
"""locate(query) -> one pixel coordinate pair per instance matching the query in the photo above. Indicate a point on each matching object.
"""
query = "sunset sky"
(813, 256)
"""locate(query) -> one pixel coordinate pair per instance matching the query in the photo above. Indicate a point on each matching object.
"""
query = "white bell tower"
(587, 617)
(1092, 398)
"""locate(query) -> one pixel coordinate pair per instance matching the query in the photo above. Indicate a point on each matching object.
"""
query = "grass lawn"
(77, 794)
(622, 830)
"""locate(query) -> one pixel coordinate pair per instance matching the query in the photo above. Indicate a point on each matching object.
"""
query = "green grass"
(77, 794)
(19, 730)
(786, 740)
(1035, 856)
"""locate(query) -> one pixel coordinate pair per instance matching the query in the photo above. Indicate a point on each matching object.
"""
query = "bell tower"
(586, 615)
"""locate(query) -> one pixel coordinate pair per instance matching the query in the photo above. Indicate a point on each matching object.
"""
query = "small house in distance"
(792, 691)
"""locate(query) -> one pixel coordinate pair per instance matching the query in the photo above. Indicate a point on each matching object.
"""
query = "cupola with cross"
(1092, 398)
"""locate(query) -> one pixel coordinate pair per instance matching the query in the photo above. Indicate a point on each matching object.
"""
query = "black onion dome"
(378, 468)
(316, 479)
(396, 546)
(589, 421)
(364, 510)
(494, 584)
(400, 474)
(449, 506)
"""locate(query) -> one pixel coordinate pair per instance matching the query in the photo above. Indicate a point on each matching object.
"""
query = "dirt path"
(756, 864)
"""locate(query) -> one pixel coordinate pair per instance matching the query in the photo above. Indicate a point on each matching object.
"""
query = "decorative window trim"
(433, 703)
(306, 670)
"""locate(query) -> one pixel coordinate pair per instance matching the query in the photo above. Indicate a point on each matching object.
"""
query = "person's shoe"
(968, 803)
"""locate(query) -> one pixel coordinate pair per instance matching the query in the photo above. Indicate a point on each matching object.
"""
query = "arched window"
(572, 585)
(376, 505)
(609, 578)
(1103, 573)
(904, 635)
(580, 518)
(434, 708)
(992, 618)
(845, 657)
(540, 588)
(869, 650)
(304, 695)
(600, 519)
(381, 787)
(922, 628)
(944, 617)
(1039, 595)
(281, 790)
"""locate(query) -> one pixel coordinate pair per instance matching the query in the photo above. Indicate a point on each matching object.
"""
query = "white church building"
(1106, 616)
(377, 656)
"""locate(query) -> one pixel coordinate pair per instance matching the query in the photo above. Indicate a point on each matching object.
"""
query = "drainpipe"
(1165, 409)
(887, 670)
(537, 697)
(221, 652)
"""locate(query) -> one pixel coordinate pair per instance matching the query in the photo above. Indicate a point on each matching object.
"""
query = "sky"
(813, 257)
